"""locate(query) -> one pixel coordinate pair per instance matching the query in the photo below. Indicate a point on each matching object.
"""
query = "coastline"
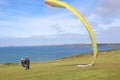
(74, 56)
(87, 44)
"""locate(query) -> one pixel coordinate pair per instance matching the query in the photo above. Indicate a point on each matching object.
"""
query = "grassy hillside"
(106, 68)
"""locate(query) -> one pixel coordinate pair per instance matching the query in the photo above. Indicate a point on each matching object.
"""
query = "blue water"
(44, 53)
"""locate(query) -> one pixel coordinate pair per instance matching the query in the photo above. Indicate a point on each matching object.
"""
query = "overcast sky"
(32, 22)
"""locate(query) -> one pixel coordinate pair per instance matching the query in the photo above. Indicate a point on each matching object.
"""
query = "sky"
(33, 23)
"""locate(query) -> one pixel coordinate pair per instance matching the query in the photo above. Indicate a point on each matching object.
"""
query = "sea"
(14, 54)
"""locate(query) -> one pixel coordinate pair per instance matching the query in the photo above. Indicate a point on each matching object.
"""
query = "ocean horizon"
(13, 54)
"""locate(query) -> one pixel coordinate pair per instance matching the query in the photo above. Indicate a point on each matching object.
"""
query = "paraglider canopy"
(53, 3)
(60, 4)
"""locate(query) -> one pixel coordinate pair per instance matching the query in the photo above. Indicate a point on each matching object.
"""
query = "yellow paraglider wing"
(53, 3)
(57, 3)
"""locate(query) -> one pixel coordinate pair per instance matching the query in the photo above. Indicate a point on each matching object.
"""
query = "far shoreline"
(87, 44)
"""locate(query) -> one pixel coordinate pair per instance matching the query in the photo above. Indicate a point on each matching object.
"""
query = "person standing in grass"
(27, 63)
(22, 62)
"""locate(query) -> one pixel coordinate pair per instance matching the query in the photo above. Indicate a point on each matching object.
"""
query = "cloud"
(58, 39)
(30, 26)
(110, 35)
(108, 7)
(98, 21)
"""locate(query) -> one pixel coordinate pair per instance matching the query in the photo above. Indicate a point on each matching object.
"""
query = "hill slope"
(106, 68)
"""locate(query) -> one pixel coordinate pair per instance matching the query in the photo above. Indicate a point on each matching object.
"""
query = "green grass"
(107, 68)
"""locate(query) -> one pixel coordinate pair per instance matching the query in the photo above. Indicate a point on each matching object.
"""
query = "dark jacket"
(27, 61)
(22, 63)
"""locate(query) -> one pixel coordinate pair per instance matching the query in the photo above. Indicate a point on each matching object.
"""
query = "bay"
(45, 53)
